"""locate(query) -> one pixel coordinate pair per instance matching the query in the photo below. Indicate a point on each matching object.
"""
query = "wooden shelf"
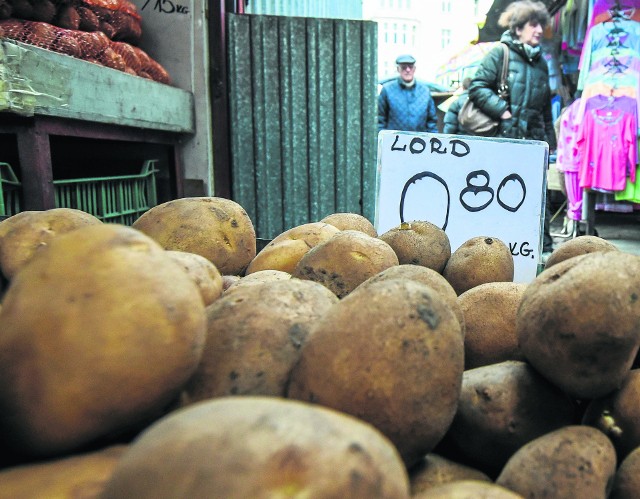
(35, 81)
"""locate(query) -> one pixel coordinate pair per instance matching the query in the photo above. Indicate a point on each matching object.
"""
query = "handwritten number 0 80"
(471, 188)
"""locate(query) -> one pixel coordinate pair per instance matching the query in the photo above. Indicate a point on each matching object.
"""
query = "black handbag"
(472, 119)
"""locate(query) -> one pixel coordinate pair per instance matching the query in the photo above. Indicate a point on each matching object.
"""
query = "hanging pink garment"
(574, 195)
(569, 159)
(608, 141)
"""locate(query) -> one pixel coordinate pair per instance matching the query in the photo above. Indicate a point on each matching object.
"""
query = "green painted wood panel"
(45, 83)
(302, 118)
(243, 175)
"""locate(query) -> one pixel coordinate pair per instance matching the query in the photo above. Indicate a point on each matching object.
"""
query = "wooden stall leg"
(34, 154)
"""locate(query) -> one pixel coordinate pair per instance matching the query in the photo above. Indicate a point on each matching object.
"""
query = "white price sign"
(468, 186)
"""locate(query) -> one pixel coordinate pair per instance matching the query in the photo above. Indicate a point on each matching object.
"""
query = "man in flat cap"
(405, 103)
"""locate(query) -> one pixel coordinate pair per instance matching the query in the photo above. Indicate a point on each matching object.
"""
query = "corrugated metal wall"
(345, 9)
(303, 118)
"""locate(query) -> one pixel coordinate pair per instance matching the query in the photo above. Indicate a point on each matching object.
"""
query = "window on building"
(404, 34)
(395, 33)
(446, 38)
(385, 31)
(413, 35)
(446, 5)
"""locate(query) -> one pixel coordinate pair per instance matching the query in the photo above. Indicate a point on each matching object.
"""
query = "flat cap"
(405, 59)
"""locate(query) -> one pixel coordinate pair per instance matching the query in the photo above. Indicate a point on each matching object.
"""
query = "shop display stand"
(74, 98)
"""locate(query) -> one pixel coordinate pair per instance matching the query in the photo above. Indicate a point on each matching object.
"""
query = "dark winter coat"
(406, 108)
(451, 124)
(529, 93)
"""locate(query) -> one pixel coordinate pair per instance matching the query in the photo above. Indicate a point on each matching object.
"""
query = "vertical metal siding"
(303, 128)
(345, 9)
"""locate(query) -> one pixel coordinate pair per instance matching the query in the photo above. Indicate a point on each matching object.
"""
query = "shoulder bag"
(472, 119)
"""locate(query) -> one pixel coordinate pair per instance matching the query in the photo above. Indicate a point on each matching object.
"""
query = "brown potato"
(345, 261)
(581, 245)
(228, 281)
(617, 415)
(23, 234)
(285, 250)
(204, 274)
(67, 17)
(351, 221)
(435, 470)
(420, 243)
(426, 276)
(254, 338)
(392, 355)
(43, 11)
(502, 407)
(218, 229)
(258, 277)
(119, 329)
(75, 476)
(489, 312)
(578, 322)
(468, 489)
(477, 261)
(627, 480)
(259, 447)
(574, 461)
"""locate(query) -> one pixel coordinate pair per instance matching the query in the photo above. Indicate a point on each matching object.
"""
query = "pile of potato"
(171, 359)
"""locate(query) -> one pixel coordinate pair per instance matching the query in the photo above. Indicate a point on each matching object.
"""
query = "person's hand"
(506, 115)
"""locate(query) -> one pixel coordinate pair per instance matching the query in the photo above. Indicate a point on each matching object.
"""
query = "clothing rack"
(611, 49)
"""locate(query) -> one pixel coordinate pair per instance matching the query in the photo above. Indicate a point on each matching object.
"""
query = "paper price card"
(468, 186)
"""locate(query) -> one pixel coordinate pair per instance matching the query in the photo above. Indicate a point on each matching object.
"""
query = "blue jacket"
(406, 108)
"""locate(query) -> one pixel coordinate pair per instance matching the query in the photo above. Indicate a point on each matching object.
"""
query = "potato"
(228, 281)
(351, 221)
(218, 229)
(204, 274)
(119, 329)
(477, 261)
(258, 277)
(489, 312)
(254, 337)
(345, 261)
(67, 17)
(617, 415)
(468, 489)
(43, 11)
(578, 322)
(574, 461)
(390, 354)
(502, 407)
(6, 9)
(580, 245)
(627, 480)
(426, 276)
(435, 470)
(75, 476)
(22, 9)
(24, 233)
(419, 243)
(285, 250)
(259, 447)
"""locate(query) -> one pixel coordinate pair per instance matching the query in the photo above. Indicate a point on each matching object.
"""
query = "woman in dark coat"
(527, 112)
(451, 124)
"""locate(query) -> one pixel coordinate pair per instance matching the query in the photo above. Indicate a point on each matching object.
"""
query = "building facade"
(431, 31)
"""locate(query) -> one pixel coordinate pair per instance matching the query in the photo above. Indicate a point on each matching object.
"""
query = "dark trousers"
(547, 240)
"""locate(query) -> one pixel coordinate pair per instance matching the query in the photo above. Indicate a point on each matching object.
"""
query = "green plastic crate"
(120, 199)
(11, 192)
